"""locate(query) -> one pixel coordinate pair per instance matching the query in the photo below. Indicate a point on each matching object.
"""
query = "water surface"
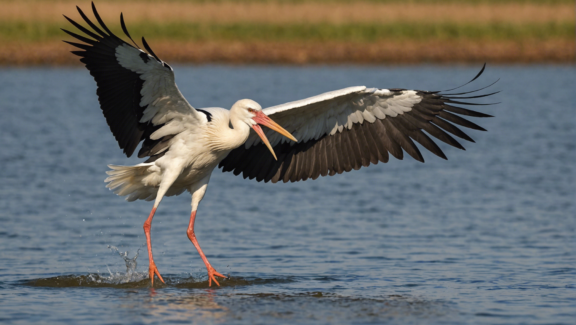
(485, 237)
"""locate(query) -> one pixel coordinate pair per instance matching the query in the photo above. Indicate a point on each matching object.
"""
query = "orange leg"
(152, 269)
(212, 273)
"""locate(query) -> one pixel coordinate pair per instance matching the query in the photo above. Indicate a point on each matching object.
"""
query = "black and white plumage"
(136, 90)
(346, 129)
(338, 131)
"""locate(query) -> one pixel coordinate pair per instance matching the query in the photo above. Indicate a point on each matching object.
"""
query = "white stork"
(338, 131)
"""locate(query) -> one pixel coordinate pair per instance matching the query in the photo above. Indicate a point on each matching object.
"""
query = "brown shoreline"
(526, 51)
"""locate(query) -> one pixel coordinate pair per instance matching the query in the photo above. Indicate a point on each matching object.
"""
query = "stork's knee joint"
(146, 226)
(190, 233)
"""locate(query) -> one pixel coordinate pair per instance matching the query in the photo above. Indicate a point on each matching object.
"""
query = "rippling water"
(485, 237)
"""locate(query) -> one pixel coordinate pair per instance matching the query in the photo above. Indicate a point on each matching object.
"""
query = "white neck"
(222, 137)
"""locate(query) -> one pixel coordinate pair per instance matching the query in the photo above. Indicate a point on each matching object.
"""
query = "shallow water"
(488, 236)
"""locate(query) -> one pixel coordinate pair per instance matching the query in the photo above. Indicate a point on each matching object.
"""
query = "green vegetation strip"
(182, 31)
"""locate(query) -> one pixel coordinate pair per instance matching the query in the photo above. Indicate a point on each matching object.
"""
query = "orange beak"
(263, 119)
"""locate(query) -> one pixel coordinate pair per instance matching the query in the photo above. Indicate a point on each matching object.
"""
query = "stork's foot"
(153, 270)
(212, 274)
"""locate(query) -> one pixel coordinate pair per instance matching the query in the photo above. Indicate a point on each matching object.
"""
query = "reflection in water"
(209, 306)
(195, 307)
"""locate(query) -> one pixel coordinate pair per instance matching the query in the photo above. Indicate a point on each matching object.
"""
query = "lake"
(487, 237)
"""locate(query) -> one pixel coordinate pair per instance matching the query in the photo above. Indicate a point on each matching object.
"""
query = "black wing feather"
(126, 30)
(83, 29)
(89, 22)
(100, 21)
(149, 49)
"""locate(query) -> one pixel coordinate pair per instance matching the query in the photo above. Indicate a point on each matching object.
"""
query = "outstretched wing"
(136, 90)
(346, 129)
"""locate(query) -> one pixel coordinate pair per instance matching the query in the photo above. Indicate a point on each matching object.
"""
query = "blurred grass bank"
(297, 31)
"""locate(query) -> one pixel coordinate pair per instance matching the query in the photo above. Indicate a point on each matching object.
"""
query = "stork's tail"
(132, 181)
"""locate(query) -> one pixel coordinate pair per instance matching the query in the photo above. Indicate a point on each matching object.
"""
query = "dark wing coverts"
(136, 90)
(350, 128)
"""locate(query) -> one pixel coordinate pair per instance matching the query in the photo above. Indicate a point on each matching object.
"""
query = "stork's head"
(251, 113)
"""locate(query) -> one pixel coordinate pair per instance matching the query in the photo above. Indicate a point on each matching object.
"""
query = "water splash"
(131, 264)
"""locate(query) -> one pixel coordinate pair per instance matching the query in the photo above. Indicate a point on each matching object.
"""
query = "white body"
(188, 163)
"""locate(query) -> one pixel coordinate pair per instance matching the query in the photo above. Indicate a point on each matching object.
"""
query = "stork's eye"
(251, 110)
